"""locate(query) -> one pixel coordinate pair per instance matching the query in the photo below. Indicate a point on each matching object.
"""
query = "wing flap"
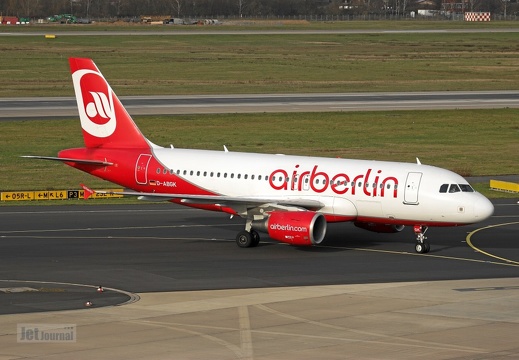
(224, 200)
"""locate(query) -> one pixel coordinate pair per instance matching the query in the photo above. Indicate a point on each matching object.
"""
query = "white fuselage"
(398, 192)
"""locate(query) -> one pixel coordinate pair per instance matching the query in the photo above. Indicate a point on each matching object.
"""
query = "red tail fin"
(104, 120)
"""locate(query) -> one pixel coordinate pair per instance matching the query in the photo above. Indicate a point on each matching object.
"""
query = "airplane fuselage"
(396, 193)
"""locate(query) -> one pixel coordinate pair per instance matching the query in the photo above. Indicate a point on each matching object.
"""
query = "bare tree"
(26, 6)
(241, 5)
(404, 6)
(177, 6)
(88, 3)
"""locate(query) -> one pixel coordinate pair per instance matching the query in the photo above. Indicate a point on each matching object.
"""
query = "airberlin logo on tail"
(100, 106)
(95, 103)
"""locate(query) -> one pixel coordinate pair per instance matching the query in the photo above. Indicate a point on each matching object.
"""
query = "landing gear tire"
(245, 239)
(422, 247)
(255, 238)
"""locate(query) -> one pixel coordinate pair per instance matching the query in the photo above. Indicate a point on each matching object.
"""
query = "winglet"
(88, 192)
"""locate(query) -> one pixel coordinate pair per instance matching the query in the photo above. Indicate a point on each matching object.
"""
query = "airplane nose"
(483, 208)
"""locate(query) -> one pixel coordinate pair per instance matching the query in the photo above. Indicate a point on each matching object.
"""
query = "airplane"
(291, 198)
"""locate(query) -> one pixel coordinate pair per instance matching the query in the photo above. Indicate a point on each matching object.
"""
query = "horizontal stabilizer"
(77, 161)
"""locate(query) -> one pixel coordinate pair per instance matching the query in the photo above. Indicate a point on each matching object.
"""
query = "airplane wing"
(229, 201)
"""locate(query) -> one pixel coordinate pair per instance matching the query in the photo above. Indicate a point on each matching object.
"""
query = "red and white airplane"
(292, 198)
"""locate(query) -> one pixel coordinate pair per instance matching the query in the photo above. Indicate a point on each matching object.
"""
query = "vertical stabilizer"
(104, 120)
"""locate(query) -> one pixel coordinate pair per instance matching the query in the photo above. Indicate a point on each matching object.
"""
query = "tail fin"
(104, 120)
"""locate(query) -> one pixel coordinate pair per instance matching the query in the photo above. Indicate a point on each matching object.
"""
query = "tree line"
(235, 8)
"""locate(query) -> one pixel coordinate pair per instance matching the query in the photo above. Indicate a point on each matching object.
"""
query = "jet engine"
(380, 228)
(302, 228)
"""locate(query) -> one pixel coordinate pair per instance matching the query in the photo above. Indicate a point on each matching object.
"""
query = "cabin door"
(412, 185)
(141, 169)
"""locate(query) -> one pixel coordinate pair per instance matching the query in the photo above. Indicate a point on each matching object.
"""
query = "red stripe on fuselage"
(407, 222)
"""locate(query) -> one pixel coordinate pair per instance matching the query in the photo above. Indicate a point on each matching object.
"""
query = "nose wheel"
(422, 245)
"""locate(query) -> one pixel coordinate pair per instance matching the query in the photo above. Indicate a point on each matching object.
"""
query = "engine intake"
(302, 228)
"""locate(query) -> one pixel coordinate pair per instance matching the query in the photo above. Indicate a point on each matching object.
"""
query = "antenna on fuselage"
(418, 161)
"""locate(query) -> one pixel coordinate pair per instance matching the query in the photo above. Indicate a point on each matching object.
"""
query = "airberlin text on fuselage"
(339, 183)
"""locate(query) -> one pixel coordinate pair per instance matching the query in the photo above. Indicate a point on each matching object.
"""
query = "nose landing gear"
(422, 245)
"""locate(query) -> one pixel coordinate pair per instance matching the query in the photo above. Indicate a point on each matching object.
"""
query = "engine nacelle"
(380, 228)
(294, 227)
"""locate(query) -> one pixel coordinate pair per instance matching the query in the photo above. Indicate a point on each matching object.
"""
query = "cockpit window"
(454, 188)
(466, 188)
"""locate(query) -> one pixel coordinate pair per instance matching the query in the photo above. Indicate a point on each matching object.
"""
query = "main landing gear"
(246, 239)
(422, 245)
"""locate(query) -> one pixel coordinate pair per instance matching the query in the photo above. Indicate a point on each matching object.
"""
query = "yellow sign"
(96, 195)
(58, 195)
(108, 196)
(55, 195)
(504, 186)
(17, 195)
(50, 195)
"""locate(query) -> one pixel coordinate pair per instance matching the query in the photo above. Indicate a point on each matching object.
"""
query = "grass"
(469, 142)
(276, 63)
